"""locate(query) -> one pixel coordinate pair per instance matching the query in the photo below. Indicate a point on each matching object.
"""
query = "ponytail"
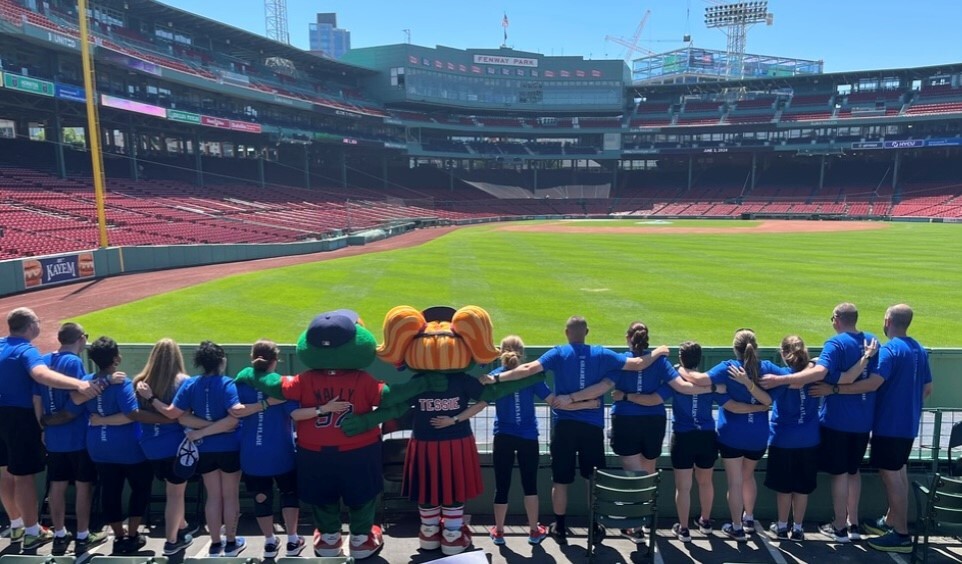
(794, 353)
(638, 338)
(746, 350)
(512, 352)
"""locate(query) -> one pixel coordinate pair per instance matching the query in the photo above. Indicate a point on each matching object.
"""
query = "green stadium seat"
(36, 559)
(622, 499)
(314, 560)
(939, 512)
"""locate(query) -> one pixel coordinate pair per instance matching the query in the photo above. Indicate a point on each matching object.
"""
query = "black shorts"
(286, 483)
(890, 453)
(164, 471)
(330, 475)
(732, 452)
(228, 462)
(21, 449)
(841, 452)
(638, 434)
(573, 441)
(73, 466)
(792, 470)
(694, 449)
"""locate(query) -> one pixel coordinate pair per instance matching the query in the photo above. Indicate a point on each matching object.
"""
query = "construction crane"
(275, 15)
(631, 45)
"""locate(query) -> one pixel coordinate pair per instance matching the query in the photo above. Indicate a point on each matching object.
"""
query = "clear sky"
(846, 34)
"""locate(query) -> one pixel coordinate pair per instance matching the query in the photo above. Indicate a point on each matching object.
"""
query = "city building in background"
(327, 38)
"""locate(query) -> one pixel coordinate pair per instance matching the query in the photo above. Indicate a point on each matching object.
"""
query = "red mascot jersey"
(317, 387)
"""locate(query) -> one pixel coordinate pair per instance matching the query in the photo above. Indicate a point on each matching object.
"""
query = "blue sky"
(846, 34)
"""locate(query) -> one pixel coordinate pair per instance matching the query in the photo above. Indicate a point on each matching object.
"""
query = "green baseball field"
(696, 280)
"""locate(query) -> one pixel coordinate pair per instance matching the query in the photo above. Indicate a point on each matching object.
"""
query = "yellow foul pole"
(93, 122)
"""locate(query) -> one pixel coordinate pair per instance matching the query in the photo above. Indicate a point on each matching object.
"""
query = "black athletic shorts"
(792, 470)
(164, 471)
(573, 441)
(732, 452)
(21, 449)
(694, 449)
(638, 434)
(73, 466)
(228, 462)
(841, 452)
(890, 453)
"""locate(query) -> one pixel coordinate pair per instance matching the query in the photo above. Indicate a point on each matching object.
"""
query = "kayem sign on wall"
(505, 61)
(56, 270)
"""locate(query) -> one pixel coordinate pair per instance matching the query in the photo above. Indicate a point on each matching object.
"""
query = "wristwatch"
(714, 388)
(318, 411)
(835, 389)
(455, 418)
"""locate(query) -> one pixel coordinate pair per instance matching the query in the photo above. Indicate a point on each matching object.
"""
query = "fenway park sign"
(505, 61)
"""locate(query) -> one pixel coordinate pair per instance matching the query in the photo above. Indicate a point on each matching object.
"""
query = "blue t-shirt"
(747, 431)
(575, 367)
(17, 358)
(160, 441)
(267, 437)
(118, 444)
(847, 412)
(904, 365)
(461, 389)
(648, 381)
(691, 413)
(209, 397)
(514, 414)
(72, 435)
(794, 420)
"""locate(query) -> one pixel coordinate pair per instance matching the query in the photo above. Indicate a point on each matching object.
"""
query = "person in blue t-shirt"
(267, 452)
(65, 437)
(113, 441)
(576, 435)
(845, 420)
(210, 396)
(792, 445)
(516, 433)
(903, 381)
(742, 426)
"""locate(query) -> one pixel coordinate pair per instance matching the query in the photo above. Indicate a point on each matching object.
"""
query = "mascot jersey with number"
(331, 466)
(441, 468)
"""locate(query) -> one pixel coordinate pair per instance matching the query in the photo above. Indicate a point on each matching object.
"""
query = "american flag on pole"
(505, 24)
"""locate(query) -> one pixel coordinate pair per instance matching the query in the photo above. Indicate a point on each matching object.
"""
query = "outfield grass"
(683, 286)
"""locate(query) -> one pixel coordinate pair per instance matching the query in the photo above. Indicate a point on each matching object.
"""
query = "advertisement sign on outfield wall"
(57, 270)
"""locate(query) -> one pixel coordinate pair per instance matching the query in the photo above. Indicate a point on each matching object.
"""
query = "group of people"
(810, 415)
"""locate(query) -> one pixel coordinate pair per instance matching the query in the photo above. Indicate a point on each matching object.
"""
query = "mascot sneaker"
(456, 541)
(327, 545)
(364, 546)
(430, 537)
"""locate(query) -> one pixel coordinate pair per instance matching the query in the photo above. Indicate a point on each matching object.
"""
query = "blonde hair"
(163, 366)
(794, 353)
(263, 353)
(437, 345)
(512, 352)
(746, 351)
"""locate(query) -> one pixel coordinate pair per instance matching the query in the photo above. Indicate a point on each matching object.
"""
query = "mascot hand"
(357, 424)
(397, 394)
(497, 391)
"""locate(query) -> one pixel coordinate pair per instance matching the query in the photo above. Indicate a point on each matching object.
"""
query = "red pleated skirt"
(442, 472)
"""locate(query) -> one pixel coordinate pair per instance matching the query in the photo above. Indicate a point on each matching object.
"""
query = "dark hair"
(209, 356)
(103, 352)
(689, 354)
(846, 313)
(746, 350)
(794, 353)
(263, 353)
(638, 338)
(70, 333)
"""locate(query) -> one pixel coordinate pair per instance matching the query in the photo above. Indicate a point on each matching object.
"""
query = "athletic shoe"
(797, 535)
(16, 534)
(133, 545)
(559, 534)
(496, 536)
(636, 536)
(365, 546)
(738, 535)
(60, 544)
(234, 547)
(854, 532)
(172, 548)
(682, 534)
(327, 545)
(748, 525)
(455, 541)
(780, 533)
(33, 542)
(215, 550)
(430, 537)
(190, 531)
(295, 548)
(81, 546)
(537, 535)
(837, 535)
(704, 526)
(272, 548)
(892, 542)
(878, 527)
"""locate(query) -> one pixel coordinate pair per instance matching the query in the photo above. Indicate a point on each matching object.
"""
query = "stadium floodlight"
(734, 18)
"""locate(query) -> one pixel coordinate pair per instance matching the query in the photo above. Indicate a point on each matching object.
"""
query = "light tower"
(275, 14)
(734, 18)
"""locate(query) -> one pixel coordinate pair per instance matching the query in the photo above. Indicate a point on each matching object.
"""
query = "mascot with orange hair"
(441, 470)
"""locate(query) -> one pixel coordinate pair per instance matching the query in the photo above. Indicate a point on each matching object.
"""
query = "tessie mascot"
(441, 469)
(330, 465)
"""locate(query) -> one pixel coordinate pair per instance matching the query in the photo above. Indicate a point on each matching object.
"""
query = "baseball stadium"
(166, 176)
